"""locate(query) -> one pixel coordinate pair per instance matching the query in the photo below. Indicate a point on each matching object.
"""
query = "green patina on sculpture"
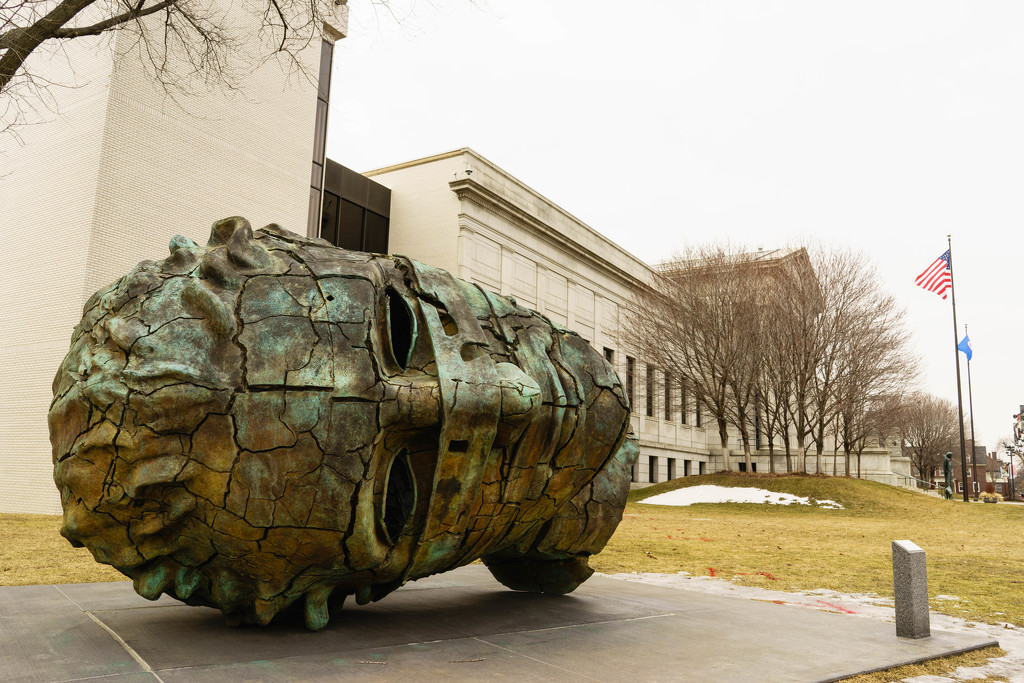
(270, 420)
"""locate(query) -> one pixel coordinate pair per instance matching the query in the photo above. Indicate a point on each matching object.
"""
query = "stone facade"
(461, 212)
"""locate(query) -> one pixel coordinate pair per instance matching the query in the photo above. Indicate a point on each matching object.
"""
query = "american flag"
(937, 277)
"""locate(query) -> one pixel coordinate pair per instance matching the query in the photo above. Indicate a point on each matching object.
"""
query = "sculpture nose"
(520, 399)
(417, 402)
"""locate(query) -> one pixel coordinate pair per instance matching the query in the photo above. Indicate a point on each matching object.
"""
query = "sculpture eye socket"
(400, 496)
(401, 328)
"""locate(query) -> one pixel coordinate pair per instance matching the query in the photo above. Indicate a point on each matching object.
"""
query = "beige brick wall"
(106, 185)
(424, 224)
(47, 200)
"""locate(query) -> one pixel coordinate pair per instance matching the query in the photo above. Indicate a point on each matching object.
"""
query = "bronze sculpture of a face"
(269, 420)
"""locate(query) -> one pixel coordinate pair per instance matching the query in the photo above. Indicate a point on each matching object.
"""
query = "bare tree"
(797, 304)
(928, 428)
(773, 391)
(698, 323)
(185, 44)
(865, 351)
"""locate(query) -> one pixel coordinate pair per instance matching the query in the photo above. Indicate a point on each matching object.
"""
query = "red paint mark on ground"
(668, 536)
(711, 572)
(778, 602)
(704, 539)
(836, 607)
(767, 576)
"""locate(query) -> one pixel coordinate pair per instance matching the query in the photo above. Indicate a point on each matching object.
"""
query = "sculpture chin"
(269, 420)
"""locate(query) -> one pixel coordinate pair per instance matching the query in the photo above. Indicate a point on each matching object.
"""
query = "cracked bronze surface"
(270, 418)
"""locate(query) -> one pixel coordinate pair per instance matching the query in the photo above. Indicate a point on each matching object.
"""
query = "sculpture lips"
(268, 419)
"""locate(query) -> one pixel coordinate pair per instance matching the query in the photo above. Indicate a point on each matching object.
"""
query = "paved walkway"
(458, 626)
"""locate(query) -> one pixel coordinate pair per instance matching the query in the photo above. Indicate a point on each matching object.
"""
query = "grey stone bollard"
(910, 584)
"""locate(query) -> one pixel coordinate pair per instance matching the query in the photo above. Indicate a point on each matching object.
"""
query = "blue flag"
(965, 347)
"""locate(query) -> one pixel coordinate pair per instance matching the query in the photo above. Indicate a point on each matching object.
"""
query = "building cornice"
(467, 189)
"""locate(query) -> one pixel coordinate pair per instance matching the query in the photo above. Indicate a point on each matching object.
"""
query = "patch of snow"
(709, 493)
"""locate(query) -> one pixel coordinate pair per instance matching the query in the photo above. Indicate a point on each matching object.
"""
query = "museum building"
(124, 169)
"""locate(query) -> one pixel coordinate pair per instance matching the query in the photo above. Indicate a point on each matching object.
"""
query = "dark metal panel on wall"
(357, 210)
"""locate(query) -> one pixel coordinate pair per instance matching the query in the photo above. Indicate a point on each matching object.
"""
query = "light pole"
(1009, 471)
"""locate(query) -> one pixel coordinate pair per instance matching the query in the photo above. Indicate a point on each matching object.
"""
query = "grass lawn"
(32, 551)
(972, 549)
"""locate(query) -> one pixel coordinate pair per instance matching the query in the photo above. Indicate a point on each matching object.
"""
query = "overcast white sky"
(881, 126)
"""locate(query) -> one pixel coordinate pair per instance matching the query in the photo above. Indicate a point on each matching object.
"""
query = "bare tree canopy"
(700, 325)
(929, 428)
(782, 344)
(183, 41)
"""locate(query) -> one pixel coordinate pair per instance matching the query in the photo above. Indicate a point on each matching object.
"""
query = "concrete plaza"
(462, 625)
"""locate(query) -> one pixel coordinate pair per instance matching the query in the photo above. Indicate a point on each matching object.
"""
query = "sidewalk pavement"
(457, 626)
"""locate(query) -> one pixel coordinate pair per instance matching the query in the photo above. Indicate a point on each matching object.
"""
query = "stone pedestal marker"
(910, 584)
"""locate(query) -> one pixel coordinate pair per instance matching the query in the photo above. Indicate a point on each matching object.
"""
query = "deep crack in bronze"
(270, 420)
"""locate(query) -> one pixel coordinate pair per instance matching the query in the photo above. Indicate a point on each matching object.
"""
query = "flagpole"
(959, 390)
(970, 405)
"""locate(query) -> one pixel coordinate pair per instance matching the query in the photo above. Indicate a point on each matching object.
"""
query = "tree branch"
(18, 43)
(136, 12)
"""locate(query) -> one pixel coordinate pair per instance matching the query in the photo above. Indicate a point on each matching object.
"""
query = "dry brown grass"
(971, 549)
(32, 551)
(936, 667)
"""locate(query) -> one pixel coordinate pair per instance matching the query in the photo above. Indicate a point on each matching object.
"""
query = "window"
(683, 407)
(320, 133)
(696, 417)
(630, 369)
(671, 468)
(355, 210)
(743, 467)
(701, 467)
(375, 233)
(652, 469)
(686, 468)
(350, 230)
(609, 355)
(757, 427)
(668, 396)
(650, 391)
(329, 218)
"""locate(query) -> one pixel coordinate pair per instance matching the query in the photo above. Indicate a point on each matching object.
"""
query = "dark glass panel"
(316, 175)
(314, 209)
(320, 132)
(329, 219)
(350, 230)
(324, 78)
(375, 233)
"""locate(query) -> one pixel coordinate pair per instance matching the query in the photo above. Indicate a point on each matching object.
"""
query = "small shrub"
(991, 496)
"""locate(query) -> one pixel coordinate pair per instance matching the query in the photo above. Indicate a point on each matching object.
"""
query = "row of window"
(323, 97)
(350, 226)
(672, 465)
(669, 391)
